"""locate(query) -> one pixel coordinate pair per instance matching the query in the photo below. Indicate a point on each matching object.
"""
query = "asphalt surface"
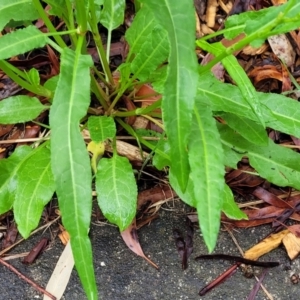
(120, 274)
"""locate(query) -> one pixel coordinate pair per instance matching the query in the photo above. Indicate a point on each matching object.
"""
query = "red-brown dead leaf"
(269, 198)
(35, 252)
(155, 194)
(11, 236)
(130, 237)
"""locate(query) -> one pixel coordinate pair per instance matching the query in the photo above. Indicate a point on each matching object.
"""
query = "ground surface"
(123, 275)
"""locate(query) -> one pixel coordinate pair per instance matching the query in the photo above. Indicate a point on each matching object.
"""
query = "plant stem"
(100, 49)
(15, 74)
(48, 23)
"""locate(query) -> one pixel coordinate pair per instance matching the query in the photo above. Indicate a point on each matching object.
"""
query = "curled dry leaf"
(266, 245)
(282, 48)
(36, 251)
(131, 239)
(292, 245)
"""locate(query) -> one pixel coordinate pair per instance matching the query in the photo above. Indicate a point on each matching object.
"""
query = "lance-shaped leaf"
(277, 164)
(9, 168)
(249, 129)
(112, 14)
(238, 75)
(116, 190)
(19, 109)
(101, 128)
(35, 187)
(17, 10)
(70, 160)
(139, 31)
(178, 19)
(230, 207)
(21, 41)
(152, 53)
(279, 112)
(250, 21)
(207, 172)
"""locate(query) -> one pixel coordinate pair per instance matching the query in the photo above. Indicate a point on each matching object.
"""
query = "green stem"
(97, 39)
(98, 91)
(48, 23)
(140, 140)
(263, 33)
(16, 75)
(70, 21)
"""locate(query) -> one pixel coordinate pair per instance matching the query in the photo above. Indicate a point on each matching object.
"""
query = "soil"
(120, 274)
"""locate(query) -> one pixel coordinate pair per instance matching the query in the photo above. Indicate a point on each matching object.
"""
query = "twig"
(35, 285)
(33, 232)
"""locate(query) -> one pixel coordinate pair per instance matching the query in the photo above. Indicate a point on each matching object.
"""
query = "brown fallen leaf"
(11, 236)
(270, 198)
(266, 245)
(292, 245)
(155, 194)
(35, 252)
(130, 237)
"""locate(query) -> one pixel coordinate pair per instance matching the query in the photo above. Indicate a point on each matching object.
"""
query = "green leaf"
(207, 171)
(275, 163)
(101, 128)
(188, 195)
(35, 187)
(19, 109)
(33, 76)
(152, 53)
(139, 31)
(9, 168)
(249, 129)
(279, 112)
(70, 160)
(250, 22)
(116, 190)
(21, 41)
(160, 161)
(58, 8)
(238, 75)
(178, 19)
(232, 156)
(112, 14)
(17, 10)
(230, 207)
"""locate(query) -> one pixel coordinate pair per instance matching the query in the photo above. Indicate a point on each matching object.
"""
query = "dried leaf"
(270, 198)
(292, 245)
(35, 252)
(61, 274)
(130, 237)
(266, 245)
